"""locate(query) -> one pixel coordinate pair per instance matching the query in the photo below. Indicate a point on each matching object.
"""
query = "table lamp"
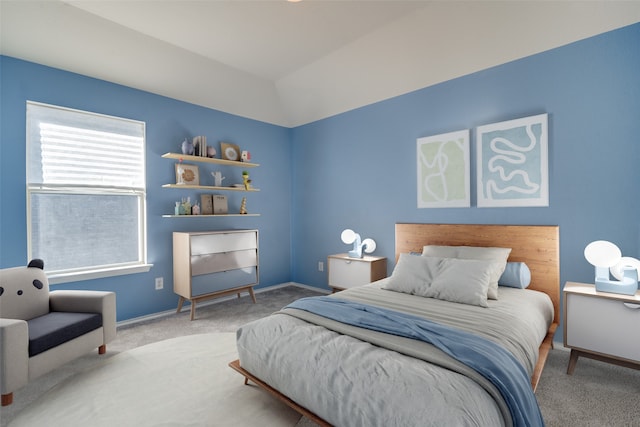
(607, 257)
(349, 236)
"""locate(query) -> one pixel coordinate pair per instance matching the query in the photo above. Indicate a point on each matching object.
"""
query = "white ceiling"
(293, 63)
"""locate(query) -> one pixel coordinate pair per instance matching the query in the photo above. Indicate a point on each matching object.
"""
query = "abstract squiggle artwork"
(443, 170)
(512, 163)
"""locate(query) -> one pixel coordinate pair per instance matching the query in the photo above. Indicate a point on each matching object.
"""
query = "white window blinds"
(69, 147)
(86, 193)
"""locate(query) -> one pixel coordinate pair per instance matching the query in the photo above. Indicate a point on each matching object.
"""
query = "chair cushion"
(55, 328)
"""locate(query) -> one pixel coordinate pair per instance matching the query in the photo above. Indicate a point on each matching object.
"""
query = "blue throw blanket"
(489, 359)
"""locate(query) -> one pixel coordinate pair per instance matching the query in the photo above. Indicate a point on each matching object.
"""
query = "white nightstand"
(601, 325)
(346, 272)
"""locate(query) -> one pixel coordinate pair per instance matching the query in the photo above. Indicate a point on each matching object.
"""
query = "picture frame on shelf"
(230, 151)
(206, 202)
(187, 174)
(220, 206)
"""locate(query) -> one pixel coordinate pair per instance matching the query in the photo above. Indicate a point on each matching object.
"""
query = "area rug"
(182, 381)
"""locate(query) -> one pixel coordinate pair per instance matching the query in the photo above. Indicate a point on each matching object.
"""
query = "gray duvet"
(355, 377)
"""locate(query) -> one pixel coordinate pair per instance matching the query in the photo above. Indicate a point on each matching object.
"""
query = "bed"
(338, 369)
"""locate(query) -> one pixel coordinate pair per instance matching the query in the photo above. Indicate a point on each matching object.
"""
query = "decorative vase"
(187, 147)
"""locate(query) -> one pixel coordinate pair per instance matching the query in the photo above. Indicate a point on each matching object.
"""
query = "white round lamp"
(349, 236)
(607, 257)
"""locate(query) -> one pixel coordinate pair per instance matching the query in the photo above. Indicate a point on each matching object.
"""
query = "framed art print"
(443, 170)
(512, 163)
(230, 151)
(187, 174)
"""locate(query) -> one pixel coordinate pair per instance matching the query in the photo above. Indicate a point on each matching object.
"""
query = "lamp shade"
(625, 261)
(348, 236)
(602, 253)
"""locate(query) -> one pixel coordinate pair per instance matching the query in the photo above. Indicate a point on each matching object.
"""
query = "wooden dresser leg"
(193, 309)
(7, 399)
(180, 302)
(102, 349)
(253, 296)
(573, 359)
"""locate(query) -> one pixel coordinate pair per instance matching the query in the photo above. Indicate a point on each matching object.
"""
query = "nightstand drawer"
(603, 325)
(345, 272)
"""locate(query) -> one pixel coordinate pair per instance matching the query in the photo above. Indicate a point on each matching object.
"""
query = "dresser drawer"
(222, 242)
(211, 263)
(603, 325)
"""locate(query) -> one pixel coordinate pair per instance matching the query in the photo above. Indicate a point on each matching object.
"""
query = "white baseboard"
(213, 301)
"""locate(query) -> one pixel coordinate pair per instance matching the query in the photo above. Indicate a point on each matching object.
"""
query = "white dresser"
(601, 325)
(346, 272)
(209, 264)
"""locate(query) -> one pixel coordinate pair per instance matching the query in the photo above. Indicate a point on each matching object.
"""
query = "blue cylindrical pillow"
(516, 275)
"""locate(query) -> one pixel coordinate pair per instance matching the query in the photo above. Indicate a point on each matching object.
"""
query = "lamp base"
(616, 287)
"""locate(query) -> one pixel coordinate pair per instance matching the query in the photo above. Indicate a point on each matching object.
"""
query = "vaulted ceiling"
(293, 63)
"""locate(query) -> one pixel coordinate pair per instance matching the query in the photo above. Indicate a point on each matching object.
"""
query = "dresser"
(346, 272)
(601, 325)
(210, 264)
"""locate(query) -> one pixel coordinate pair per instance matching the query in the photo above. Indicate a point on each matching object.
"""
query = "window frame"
(141, 265)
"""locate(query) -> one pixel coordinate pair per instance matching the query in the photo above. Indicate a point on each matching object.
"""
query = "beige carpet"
(182, 381)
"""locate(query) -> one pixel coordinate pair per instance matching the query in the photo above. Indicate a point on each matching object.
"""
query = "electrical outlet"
(159, 283)
(320, 266)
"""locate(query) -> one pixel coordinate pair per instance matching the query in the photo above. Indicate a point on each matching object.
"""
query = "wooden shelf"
(207, 216)
(208, 187)
(188, 158)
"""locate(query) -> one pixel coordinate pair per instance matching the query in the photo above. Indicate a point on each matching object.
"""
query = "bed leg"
(7, 399)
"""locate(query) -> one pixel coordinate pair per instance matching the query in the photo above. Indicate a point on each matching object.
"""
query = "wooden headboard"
(537, 245)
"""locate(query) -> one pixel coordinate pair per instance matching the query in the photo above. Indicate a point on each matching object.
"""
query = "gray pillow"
(464, 281)
(412, 274)
(499, 255)
(450, 279)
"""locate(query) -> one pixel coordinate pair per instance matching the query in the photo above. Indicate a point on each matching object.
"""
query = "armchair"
(41, 330)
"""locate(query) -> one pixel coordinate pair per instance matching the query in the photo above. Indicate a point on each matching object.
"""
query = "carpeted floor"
(597, 394)
(182, 381)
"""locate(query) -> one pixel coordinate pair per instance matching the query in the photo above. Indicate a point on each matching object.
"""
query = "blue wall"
(358, 169)
(168, 122)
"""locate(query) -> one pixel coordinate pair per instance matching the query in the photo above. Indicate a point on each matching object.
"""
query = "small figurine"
(211, 151)
(217, 178)
(246, 156)
(243, 206)
(187, 147)
(246, 180)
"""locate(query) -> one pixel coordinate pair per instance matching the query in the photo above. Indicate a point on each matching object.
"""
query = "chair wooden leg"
(102, 349)
(7, 399)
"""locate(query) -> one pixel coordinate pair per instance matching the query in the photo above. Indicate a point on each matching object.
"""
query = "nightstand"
(346, 272)
(601, 325)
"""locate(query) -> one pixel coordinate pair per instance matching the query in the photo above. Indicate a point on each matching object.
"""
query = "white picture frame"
(512, 163)
(187, 174)
(443, 170)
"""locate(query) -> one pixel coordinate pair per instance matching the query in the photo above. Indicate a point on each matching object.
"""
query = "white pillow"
(499, 255)
(450, 279)
(464, 281)
(412, 274)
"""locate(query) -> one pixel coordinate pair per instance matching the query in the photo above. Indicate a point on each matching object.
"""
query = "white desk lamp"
(606, 256)
(349, 236)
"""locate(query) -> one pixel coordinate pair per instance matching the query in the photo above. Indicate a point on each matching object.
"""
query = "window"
(86, 193)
